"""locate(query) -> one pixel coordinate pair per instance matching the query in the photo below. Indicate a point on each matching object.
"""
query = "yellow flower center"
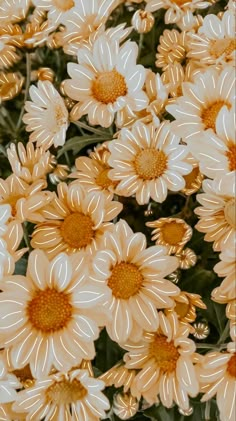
(77, 230)
(66, 392)
(103, 180)
(63, 5)
(209, 115)
(109, 86)
(222, 46)
(50, 310)
(173, 232)
(231, 367)
(230, 213)
(181, 2)
(191, 178)
(150, 163)
(165, 353)
(60, 115)
(125, 280)
(181, 309)
(231, 155)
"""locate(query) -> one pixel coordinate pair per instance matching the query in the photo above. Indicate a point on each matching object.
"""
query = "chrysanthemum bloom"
(74, 220)
(30, 163)
(197, 110)
(25, 200)
(147, 161)
(217, 375)
(10, 85)
(173, 233)
(125, 406)
(59, 173)
(142, 21)
(217, 152)
(177, 9)
(47, 317)
(13, 11)
(175, 75)
(157, 93)
(106, 81)
(187, 258)
(47, 116)
(135, 277)
(8, 384)
(215, 42)
(64, 396)
(92, 172)
(119, 376)
(173, 47)
(43, 73)
(165, 359)
(185, 308)
(8, 55)
(217, 213)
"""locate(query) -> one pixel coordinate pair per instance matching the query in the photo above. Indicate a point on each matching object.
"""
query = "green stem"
(224, 334)
(26, 235)
(27, 85)
(208, 411)
(211, 346)
(86, 127)
(140, 46)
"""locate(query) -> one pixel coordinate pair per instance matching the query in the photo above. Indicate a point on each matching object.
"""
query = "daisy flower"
(47, 116)
(175, 75)
(25, 200)
(12, 236)
(64, 396)
(46, 317)
(173, 233)
(8, 384)
(217, 152)
(217, 376)
(125, 406)
(187, 258)
(142, 21)
(165, 359)
(92, 172)
(172, 48)
(226, 268)
(13, 11)
(215, 42)
(119, 376)
(147, 161)
(176, 9)
(193, 180)
(106, 80)
(185, 308)
(196, 112)
(217, 213)
(10, 85)
(74, 220)
(29, 163)
(136, 278)
(8, 55)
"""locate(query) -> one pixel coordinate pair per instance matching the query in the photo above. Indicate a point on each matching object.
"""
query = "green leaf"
(79, 142)
(21, 265)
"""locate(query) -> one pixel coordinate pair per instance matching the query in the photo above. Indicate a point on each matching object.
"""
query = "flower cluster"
(117, 209)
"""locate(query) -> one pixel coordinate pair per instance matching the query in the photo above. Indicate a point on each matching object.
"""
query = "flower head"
(10, 85)
(147, 161)
(47, 116)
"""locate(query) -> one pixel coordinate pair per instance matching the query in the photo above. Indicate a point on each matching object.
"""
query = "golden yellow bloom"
(125, 406)
(10, 85)
(119, 376)
(142, 21)
(173, 233)
(165, 359)
(193, 180)
(74, 220)
(187, 258)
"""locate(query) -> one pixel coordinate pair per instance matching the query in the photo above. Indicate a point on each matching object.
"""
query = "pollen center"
(181, 2)
(231, 368)
(77, 230)
(209, 115)
(230, 213)
(64, 5)
(150, 163)
(109, 86)
(172, 232)
(222, 46)
(231, 155)
(103, 180)
(125, 280)
(66, 392)
(50, 310)
(165, 353)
